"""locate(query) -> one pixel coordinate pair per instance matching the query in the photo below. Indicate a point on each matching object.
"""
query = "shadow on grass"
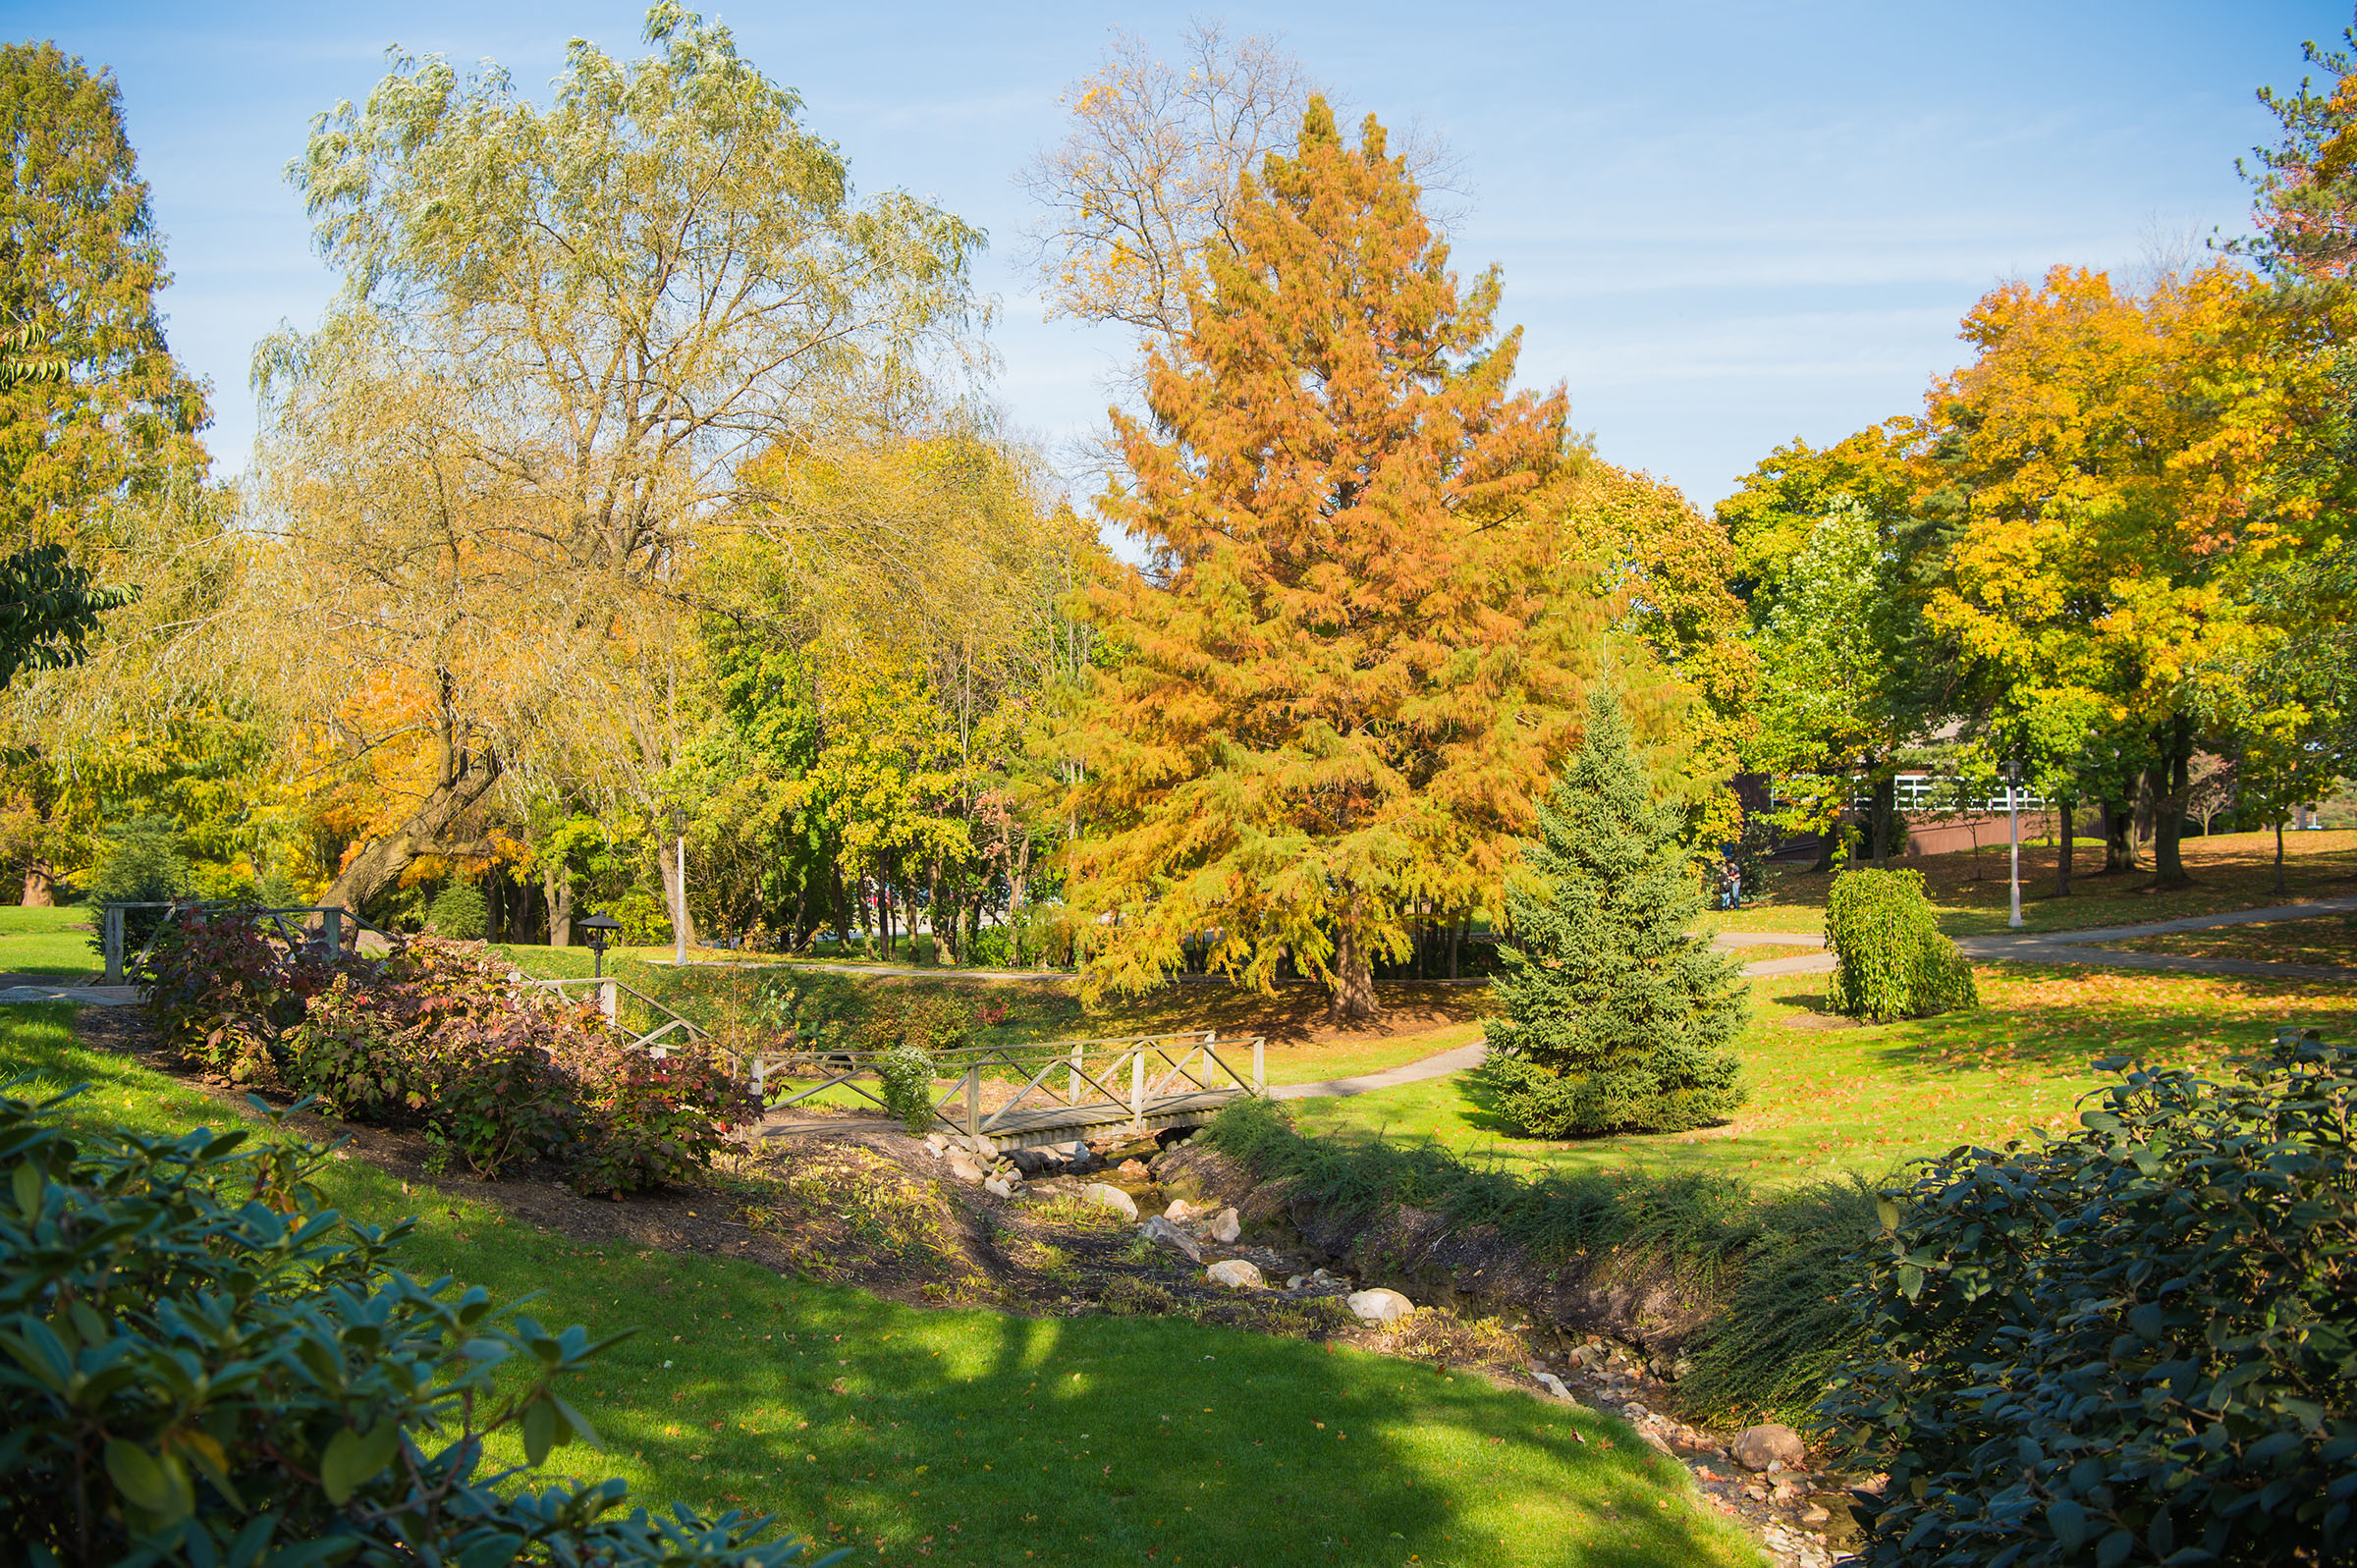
(976, 1436)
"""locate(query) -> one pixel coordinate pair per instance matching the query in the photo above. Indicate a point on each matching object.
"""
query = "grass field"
(46, 942)
(1866, 1098)
(2230, 870)
(975, 1437)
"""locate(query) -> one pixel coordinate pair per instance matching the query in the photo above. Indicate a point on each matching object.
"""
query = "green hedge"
(1890, 961)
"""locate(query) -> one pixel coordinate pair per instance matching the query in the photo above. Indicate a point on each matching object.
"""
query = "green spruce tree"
(1618, 1018)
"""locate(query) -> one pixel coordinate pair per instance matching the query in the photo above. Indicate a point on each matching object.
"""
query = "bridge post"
(609, 997)
(114, 945)
(1074, 1096)
(1137, 1090)
(1260, 1066)
(334, 927)
(973, 1106)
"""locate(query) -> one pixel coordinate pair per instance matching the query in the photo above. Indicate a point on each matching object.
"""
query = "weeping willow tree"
(563, 332)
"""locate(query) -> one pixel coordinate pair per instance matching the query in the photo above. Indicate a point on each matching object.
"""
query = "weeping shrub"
(1890, 961)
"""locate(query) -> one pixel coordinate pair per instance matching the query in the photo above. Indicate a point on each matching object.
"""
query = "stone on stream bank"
(1235, 1273)
(1113, 1198)
(1160, 1229)
(1758, 1448)
(1379, 1306)
(1225, 1227)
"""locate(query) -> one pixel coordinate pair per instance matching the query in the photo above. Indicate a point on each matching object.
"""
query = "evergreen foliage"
(140, 862)
(2128, 1345)
(1890, 959)
(1618, 1017)
(208, 1364)
(460, 913)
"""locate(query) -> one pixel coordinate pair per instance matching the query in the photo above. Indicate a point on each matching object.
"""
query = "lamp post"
(679, 913)
(2014, 833)
(597, 932)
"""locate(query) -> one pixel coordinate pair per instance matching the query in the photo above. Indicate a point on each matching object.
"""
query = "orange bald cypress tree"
(1352, 664)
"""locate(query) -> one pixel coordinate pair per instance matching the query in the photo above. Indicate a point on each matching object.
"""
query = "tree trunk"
(556, 887)
(40, 885)
(2119, 847)
(1353, 976)
(2279, 854)
(380, 861)
(675, 891)
(1881, 811)
(2062, 857)
(2169, 785)
(842, 907)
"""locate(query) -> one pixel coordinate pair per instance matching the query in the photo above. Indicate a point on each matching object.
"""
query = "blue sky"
(1722, 225)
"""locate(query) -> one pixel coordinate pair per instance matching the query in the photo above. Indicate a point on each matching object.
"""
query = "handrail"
(977, 1126)
(111, 938)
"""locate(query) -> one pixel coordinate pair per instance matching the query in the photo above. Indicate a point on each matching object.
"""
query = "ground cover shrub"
(1780, 1254)
(1890, 959)
(1618, 1016)
(207, 1365)
(438, 1035)
(2133, 1344)
(458, 913)
(908, 1075)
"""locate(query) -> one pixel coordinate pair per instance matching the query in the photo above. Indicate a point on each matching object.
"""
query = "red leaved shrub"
(441, 1035)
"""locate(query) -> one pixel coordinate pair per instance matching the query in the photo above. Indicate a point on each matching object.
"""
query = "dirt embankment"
(1639, 1299)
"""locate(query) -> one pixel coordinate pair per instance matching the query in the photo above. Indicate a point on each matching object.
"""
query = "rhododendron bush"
(441, 1036)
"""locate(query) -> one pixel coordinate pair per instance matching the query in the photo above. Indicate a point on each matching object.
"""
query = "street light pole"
(679, 913)
(2014, 833)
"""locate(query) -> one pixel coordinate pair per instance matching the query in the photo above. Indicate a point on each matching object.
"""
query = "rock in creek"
(1235, 1273)
(1225, 1227)
(1160, 1229)
(1758, 1448)
(964, 1170)
(1036, 1162)
(1113, 1198)
(1180, 1209)
(1135, 1169)
(1000, 1187)
(1379, 1306)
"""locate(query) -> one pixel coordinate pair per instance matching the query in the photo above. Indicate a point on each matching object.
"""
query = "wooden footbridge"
(1024, 1097)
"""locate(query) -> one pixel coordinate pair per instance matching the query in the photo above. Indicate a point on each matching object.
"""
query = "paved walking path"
(67, 991)
(2077, 946)
(1440, 1066)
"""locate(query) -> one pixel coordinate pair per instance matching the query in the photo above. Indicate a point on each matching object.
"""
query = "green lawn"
(975, 1437)
(2230, 870)
(1825, 1101)
(46, 942)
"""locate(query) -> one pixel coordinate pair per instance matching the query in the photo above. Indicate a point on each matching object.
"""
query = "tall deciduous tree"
(96, 419)
(564, 331)
(2105, 471)
(1353, 662)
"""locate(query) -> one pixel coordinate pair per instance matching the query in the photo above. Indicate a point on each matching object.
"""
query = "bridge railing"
(323, 924)
(1135, 1074)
